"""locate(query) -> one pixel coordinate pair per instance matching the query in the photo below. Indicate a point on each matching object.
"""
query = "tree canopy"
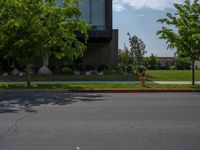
(151, 62)
(31, 29)
(137, 50)
(183, 30)
(186, 36)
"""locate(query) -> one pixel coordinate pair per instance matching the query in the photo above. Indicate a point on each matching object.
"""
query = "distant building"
(197, 65)
(165, 62)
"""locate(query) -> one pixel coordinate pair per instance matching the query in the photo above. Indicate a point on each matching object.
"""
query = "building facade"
(102, 47)
(165, 62)
(197, 65)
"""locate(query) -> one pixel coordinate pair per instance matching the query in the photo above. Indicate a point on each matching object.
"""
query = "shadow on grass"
(16, 101)
(39, 86)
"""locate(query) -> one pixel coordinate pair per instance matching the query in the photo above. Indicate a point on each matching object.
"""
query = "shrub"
(67, 70)
(182, 64)
(173, 68)
(102, 68)
(130, 68)
(89, 68)
(140, 70)
(119, 69)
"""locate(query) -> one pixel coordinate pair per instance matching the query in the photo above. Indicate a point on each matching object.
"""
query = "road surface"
(57, 120)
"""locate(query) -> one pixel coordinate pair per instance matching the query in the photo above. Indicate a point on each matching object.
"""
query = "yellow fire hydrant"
(142, 80)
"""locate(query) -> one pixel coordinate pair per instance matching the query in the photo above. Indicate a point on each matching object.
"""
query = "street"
(57, 120)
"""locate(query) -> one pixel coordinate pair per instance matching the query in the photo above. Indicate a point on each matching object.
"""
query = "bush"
(182, 64)
(140, 70)
(173, 68)
(103, 68)
(130, 68)
(67, 70)
(119, 69)
(89, 68)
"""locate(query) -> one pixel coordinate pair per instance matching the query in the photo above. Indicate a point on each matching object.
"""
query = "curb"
(108, 91)
(134, 91)
(102, 82)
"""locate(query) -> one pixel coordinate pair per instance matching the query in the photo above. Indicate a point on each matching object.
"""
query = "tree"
(186, 35)
(152, 62)
(124, 56)
(137, 50)
(34, 29)
(182, 64)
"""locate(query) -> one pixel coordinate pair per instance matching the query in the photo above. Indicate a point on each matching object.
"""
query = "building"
(165, 62)
(102, 47)
(197, 65)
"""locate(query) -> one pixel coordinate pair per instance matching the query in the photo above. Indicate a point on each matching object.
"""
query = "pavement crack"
(15, 126)
(17, 122)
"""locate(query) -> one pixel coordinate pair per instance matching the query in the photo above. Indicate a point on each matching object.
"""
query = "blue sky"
(138, 17)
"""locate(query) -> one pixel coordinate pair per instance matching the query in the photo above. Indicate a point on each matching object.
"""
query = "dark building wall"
(102, 53)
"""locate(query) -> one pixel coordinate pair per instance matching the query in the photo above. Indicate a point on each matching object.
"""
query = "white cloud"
(120, 5)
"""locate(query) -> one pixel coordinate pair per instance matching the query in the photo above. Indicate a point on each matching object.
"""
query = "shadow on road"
(15, 101)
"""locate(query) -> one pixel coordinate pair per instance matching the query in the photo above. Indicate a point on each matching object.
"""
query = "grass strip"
(172, 75)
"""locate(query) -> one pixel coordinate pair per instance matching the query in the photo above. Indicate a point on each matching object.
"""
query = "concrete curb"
(102, 82)
(108, 91)
(135, 91)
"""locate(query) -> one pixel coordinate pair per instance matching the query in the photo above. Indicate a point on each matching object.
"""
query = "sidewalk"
(100, 82)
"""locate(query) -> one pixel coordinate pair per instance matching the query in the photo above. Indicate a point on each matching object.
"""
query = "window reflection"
(93, 12)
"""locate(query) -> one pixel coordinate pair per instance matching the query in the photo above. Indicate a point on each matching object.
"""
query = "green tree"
(185, 37)
(152, 62)
(182, 63)
(137, 50)
(124, 56)
(34, 29)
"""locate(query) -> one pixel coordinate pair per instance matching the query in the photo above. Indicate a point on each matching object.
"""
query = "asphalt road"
(55, 120)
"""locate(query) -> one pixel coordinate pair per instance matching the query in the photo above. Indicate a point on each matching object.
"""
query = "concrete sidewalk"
(101, 82)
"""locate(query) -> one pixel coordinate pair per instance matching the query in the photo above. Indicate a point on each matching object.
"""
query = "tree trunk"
(28, 81)
(193, 72)
(45, 61)
(28, 72)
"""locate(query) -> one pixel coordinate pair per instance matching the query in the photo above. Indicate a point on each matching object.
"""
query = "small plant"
(140, 70)
(89, 68)
(130, 68)
(102, 68)
(173, 68)
(67, 70)
(119, 69)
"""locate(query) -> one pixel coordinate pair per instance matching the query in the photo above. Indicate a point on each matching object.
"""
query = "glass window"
(97, 13)
(93, 12)
(84, 7)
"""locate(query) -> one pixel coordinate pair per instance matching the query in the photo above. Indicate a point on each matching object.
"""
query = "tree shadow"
(16, 101)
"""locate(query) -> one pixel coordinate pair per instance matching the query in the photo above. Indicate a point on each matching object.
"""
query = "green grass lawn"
(172, 75)
(99, 87)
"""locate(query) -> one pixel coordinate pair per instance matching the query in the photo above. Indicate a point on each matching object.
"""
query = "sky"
(139, 17)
